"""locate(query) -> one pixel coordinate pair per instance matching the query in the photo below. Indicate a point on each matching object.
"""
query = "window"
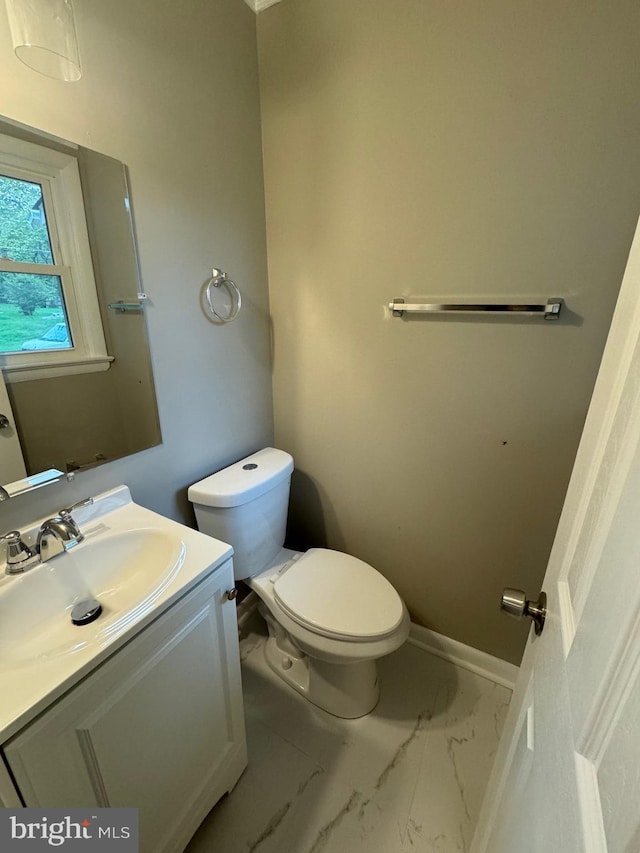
(49, 316)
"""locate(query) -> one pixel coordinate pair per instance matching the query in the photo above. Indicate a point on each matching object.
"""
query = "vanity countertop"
(35, 669)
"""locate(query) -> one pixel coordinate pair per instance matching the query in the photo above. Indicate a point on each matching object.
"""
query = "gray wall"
(443, 150)
(184, 117)
(433, 149)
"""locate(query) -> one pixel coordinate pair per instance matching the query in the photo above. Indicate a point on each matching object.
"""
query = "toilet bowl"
(330, 616)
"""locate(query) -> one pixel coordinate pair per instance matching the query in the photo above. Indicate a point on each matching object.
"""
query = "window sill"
(69, 367)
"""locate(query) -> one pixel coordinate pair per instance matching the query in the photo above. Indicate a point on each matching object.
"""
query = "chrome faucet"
(60, 533)
(56, 536)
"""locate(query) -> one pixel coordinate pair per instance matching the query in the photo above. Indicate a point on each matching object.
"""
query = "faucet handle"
(66, 512)
(12, 537)
(19, 554)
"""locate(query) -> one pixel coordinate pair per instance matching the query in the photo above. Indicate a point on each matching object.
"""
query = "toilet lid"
(337, 595)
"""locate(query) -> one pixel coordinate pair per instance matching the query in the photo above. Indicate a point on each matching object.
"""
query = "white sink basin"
(125, 571)
(135, 562)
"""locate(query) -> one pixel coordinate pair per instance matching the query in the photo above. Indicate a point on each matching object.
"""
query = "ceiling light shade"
(44, 37)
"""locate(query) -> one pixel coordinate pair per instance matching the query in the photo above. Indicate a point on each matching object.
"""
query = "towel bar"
(549, 309)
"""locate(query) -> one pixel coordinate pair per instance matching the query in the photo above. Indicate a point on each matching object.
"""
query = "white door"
(567, 772)
(12, 465)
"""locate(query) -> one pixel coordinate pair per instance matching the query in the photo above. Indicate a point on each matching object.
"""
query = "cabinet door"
(158, 727)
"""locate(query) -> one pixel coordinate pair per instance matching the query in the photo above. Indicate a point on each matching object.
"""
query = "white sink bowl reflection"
(125, 571)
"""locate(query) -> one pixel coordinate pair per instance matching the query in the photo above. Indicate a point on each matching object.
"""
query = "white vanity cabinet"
(158, 726)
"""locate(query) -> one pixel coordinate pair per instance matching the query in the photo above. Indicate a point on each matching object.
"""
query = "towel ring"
(219, 278)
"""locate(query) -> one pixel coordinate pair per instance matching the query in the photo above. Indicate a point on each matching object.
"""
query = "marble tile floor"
(407, 778)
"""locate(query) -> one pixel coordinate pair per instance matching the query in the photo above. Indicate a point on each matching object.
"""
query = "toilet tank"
(246, 506)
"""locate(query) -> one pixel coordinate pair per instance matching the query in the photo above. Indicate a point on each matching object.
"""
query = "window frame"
(59, 176)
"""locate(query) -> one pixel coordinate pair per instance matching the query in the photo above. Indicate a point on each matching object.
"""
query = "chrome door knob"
(514, 603)
(4, 422)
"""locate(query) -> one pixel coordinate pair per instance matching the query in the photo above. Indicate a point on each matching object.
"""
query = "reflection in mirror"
(76, 385)
(28, 484)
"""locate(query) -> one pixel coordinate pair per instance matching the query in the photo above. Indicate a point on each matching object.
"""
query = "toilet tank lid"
(243, 481)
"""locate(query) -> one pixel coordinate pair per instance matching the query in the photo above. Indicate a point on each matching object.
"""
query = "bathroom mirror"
(76, 384)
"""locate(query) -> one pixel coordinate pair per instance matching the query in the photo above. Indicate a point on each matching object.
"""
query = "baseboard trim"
(481, 663)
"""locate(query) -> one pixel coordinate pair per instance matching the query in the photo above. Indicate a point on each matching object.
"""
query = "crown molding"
(260, 5)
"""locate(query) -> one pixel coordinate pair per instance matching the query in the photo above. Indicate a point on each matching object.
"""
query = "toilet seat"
(335, 595)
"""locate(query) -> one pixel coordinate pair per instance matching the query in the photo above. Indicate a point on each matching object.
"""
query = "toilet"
(330, 616)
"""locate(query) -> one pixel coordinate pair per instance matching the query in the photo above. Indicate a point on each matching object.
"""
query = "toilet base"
(348, 690)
